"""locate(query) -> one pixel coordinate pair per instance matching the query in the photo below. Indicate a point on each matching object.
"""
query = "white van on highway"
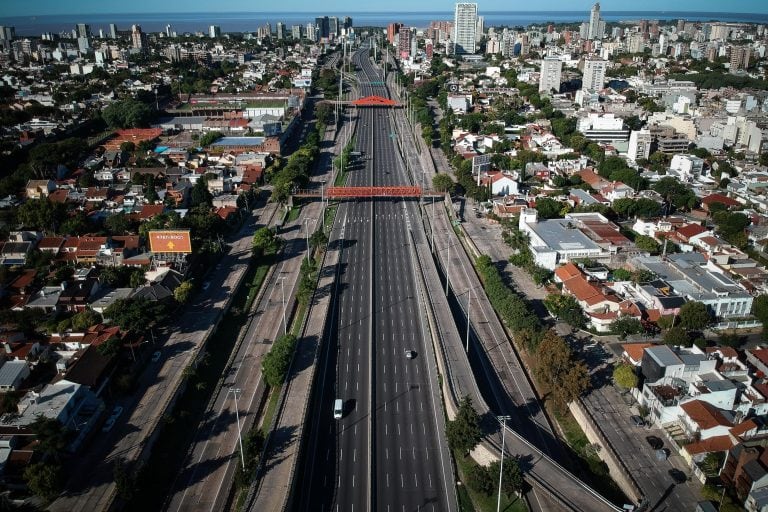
(338, 409)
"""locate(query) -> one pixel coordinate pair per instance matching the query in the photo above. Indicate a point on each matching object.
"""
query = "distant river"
(250, 21)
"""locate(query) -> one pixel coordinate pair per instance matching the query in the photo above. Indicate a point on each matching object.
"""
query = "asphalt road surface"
(384, 453)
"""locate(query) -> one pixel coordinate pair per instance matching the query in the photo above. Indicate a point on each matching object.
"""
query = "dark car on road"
(678, 476)
(654, 442)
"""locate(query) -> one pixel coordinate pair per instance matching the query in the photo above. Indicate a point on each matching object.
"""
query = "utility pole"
(503, 420)
(306, 228)
(282, 288)
(469, 304)
(234, 392)
(447, 266)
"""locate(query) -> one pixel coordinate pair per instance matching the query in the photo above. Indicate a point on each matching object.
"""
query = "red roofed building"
(685, 233)
(150, 210)
(719, 198)
(633, 352)
(704, 420)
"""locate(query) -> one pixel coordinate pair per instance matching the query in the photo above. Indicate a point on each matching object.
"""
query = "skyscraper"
(113, 31)
(312, 32)
(296, 32)
(83, 30)
(594, 74)
(333, 27)
(280, 30)
(138, 38)
(404, 42)
(214, 31)
(551, 73)
(480, 28)
(465, 28)
(392, 29)
(322, 27)
(7, 33)
(347, 22)
(596, 24)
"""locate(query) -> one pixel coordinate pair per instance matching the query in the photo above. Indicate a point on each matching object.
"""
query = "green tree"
(209, 138)
(52, 437)
(127, 147)
(265, 240)
(117, 224)
(85, 319)
(695, 315)
(626, 325)
(463, 432)
(318, 239)
(277, 361)
(549, 208)
(128, 113)
(480, 479)
(125, 479)
(677, 336)
(45, 479)
(442, 183)
(647, 244)
(135, 314)
(111, 347)
(562, 376)
(624, 375)
(512, 478)
(760, 311)
(200, 196)
(621, 274)
(566, 308)
(183, 292)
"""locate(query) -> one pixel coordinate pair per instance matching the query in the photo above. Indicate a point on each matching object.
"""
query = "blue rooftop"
(239, 141)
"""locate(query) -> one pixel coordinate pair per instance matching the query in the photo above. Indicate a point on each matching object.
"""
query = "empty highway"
(387, 451)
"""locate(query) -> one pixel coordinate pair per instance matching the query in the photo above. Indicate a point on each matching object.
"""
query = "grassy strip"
(180, 427)
(293, 214)
(258, 278)
(478, 501)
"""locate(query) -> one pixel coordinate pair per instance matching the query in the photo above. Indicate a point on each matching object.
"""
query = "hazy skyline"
(54, 7)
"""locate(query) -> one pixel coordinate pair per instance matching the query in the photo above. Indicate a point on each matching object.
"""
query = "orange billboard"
(176, 241)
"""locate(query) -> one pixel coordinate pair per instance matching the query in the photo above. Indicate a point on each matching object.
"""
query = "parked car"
(655, 442)
(637, 420)
(678, 476)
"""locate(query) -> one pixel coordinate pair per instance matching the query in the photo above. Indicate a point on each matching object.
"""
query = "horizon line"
(195, 11)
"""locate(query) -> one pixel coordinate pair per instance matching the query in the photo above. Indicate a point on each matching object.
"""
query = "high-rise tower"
(465, 28)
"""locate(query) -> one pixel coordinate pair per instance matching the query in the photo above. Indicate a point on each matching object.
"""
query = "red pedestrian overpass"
(367, 192)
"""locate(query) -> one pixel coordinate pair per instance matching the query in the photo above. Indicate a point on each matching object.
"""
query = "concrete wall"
(618, 471)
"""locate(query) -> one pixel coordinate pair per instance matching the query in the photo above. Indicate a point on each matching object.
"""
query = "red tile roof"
(686, 232)
(720, 198)
(713, 444)
(567, 271)
(150, 210)
(635, 350)
(705, 415)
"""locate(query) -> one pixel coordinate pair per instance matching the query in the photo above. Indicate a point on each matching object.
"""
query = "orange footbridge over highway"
(367, 192)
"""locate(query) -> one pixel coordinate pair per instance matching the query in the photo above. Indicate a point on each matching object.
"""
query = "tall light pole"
(447, 266)
(469, 304)
(322, 201)
(282, 289)
(234, 392)
(503, 420)
(306, 228)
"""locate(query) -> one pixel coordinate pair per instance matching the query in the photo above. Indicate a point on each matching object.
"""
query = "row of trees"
(463, 434)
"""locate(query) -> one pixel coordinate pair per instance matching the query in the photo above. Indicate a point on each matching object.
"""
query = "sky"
(48, 7)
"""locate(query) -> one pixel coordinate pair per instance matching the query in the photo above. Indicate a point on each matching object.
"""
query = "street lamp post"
(503, 420)
(469, 303)
(234, 392)
(282, 289)
(306, 228)
(447, 267)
